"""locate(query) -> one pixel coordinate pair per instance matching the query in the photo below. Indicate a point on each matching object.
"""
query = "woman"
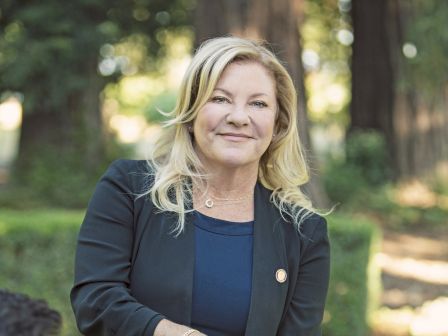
(211, 236)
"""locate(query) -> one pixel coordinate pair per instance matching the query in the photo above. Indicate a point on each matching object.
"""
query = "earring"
(190, 129)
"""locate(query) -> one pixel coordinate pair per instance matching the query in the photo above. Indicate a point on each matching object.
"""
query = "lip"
(235, 136)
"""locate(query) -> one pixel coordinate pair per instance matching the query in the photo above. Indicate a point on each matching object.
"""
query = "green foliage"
(385, 207)
(361, 182)
(36, 257)
(323, 20)
(439, 185)
(57, 44)
(60, 56)
(367, 151)
(55, 178)
(364, 167)
(355, 279)
(330, 76)
(427, 31)
(343, 182)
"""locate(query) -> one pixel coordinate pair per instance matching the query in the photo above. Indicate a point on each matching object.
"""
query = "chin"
(237, 162)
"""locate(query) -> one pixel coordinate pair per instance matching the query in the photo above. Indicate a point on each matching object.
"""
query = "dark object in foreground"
(23, 316)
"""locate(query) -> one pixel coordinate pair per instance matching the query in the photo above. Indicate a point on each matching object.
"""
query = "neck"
(228, 194)
(232, 182)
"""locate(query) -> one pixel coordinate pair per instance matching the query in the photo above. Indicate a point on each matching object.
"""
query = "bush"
(355, 279)
(364, 167)
(367, 151)
(37, 254)
(50, 177)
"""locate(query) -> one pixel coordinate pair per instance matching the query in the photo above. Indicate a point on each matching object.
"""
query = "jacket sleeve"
(100, 297)
(305, 312)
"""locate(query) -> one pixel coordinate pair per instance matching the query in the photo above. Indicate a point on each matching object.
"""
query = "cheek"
(265, 127)
(206, 121)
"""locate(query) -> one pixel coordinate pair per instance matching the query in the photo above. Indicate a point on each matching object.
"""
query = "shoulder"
(313, 227)
(133, 173)
(124, 166)
(310, 226)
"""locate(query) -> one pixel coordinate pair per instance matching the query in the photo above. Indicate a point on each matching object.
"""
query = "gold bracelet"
(189, 332)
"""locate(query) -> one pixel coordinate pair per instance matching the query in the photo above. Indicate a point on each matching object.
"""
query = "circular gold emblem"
(281, 275)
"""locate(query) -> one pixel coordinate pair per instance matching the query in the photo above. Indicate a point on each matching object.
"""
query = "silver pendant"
(208, 203)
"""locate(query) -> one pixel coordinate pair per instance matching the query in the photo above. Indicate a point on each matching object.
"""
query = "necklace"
(209, 203)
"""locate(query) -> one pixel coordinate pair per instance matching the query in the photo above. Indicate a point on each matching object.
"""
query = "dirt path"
(415, 283)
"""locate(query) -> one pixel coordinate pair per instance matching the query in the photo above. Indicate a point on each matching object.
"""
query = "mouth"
(235, 136)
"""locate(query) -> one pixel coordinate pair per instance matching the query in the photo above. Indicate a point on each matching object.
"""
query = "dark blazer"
(131, 271)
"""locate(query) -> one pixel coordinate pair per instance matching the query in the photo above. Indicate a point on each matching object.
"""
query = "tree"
(51, 52)
(420, 114)
(278, 23)
(397, 86)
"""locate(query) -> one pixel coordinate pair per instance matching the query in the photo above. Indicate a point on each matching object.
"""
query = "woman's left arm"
(305, 311)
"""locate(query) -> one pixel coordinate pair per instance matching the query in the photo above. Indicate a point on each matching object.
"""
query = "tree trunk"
(277, 22)
(68, 138)
(421, 134)
(373, 68)
(415, 127)
(92, 121)
(74, 130)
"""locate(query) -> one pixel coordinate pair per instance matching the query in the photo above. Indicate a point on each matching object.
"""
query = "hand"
(168, 328)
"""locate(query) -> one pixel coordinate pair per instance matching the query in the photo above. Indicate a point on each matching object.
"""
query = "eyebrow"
(230, 94)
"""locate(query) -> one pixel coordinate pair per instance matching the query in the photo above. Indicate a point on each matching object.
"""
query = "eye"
(259, 104)
(219, 99)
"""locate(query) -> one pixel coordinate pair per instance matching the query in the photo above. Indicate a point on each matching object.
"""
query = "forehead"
(248, 75)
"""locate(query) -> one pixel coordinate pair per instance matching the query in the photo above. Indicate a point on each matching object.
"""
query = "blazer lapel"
(269, 255)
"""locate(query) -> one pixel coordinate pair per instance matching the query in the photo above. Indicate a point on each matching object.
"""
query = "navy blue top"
(222, 276)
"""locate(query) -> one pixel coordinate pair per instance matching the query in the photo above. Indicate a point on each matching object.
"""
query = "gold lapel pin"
(281, 275)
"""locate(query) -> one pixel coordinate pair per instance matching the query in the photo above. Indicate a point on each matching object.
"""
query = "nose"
(238, 116)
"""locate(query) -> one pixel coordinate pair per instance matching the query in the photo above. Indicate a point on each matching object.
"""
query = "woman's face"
(235, 127)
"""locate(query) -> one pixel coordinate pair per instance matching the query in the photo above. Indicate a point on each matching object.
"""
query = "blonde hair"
(174, 163)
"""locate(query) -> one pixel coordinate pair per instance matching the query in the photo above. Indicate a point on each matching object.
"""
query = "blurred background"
(82, 83)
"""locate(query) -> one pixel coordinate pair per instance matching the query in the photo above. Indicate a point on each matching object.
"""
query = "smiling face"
(235, 127)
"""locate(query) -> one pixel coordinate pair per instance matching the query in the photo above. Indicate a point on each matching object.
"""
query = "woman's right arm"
(101, 298)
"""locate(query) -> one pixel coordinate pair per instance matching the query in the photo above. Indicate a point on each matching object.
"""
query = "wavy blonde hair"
(174, 163)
